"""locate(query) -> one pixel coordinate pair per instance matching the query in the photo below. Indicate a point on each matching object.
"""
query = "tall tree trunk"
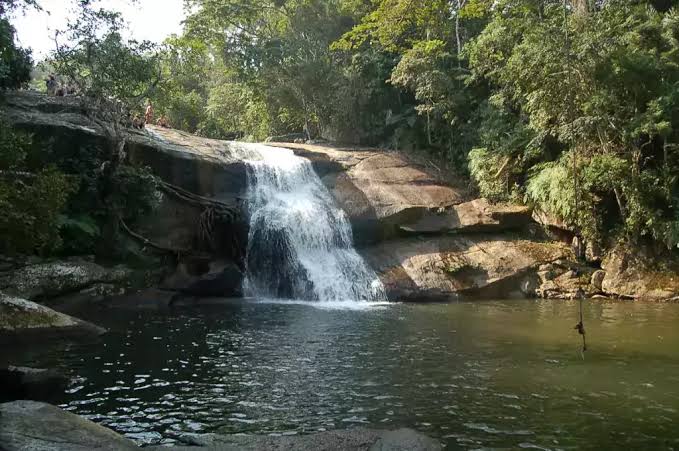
(460, 4)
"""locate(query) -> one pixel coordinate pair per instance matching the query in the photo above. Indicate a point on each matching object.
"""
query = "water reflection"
(477, 375)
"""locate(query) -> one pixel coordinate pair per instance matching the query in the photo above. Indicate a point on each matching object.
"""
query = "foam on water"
(300, 242)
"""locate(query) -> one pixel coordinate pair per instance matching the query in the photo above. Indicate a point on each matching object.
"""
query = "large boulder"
(21, 319)
(37, 384)
(453, 267)
(635, 276)
(35, 426)
(50, 279)
(342, 440)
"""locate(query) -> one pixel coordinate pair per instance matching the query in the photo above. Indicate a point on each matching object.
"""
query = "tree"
(15, 62)
(113, 77)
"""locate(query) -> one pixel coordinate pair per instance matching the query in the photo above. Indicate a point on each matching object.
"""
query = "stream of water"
(491, 375)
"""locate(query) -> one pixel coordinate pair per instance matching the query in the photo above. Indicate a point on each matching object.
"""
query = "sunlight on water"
(300, 244)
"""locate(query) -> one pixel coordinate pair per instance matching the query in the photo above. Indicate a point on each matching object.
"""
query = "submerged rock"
(35, 426)
(21, 319)
(30, 383)
(343, 440)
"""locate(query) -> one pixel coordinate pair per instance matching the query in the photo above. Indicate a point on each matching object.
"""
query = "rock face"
(636, 277)
(35, 426)
(219, 279)
(25, 320)
(346, 440)
(208, 168)
(56, 278)
(451, 267)
(469, 217)
(30, 383)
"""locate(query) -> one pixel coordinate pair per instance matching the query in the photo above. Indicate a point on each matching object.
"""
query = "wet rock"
(344, 440)
(21, 319)
(449, 267)
(50, 279)
(30, 383)
(35, 426)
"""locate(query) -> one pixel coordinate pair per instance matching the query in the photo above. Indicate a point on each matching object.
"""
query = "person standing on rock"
(148, 116)
(51, 84)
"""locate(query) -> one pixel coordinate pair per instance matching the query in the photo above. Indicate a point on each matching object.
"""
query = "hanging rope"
(580, 327)
(579, 294)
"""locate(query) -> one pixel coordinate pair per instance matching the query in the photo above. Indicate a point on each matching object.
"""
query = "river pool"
(490, 375)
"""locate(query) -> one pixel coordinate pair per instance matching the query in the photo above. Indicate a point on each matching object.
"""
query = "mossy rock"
(21, 319)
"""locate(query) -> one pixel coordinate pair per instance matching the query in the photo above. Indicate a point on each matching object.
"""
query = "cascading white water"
(300, 243)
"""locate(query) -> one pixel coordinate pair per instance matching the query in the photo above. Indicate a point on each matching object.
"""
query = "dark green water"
(492, 375)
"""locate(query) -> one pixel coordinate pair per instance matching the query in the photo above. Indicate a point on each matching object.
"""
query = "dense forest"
(570, 107)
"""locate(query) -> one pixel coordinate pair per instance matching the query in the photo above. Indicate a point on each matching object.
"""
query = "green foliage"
(31, 203)
(116, 74)
(494, 174)
(135, 192)
(15, 62)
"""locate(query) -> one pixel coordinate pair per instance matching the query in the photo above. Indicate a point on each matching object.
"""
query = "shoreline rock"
(36, 426)
(358, 439)
(22, 320)
(50, 279)
(35, 384)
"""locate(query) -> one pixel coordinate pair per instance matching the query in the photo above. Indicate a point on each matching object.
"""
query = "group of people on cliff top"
(55, 89)
(140, 123)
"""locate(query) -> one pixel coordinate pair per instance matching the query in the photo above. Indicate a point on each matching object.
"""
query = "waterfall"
(300, 242)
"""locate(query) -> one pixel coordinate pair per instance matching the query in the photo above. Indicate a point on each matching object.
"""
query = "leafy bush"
(31, 210)
(31, 202)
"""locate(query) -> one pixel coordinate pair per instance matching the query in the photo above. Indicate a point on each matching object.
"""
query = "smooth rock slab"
(453, 267)
(36, 426)
(22, 319)
(344, 440)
